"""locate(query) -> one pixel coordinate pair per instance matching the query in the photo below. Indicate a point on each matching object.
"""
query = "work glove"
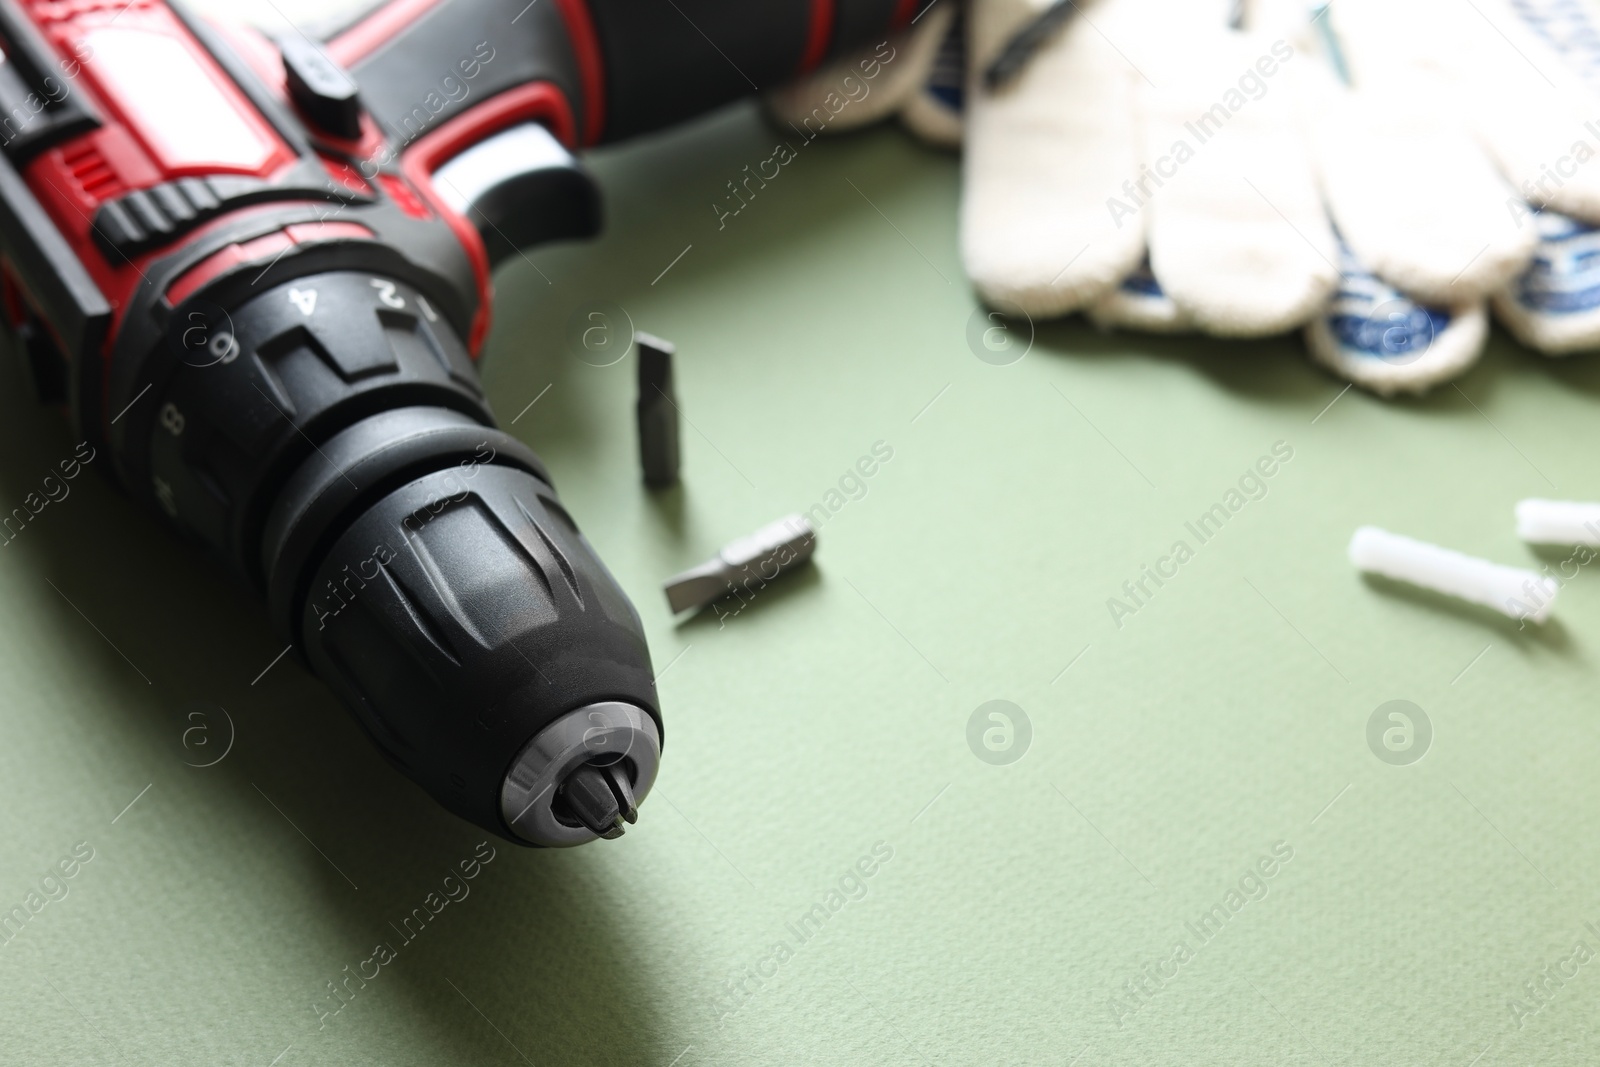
(1380, 169)
(1554, 306)
(1433, 161)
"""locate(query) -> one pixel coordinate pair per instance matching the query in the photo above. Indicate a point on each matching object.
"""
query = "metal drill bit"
(657, 411)
(617, 773)
(599, 797)
(748, 564)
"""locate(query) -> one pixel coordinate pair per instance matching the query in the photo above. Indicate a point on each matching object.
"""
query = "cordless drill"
(257, 273)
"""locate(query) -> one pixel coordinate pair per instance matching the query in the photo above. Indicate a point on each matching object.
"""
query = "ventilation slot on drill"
(93, 174)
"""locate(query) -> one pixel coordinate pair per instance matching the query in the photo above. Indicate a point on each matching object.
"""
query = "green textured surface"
(1227, 715)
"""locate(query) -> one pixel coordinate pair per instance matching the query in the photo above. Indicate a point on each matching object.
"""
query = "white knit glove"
(1159, 170)
(1421, 160)
(1554, 305)
(1060, 196)
(1225, 191)
(1433, 161)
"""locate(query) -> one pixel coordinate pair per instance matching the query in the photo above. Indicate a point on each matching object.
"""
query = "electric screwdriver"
(256, 272)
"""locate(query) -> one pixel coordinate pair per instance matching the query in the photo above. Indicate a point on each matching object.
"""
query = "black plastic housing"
(254, 391)
(663, 61)
(329, 439)
(458, 615)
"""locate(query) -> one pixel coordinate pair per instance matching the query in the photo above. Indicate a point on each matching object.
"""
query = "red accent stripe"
(904, 10)
(591, 66)
(366, 36)
(535, 102)
(817, 37)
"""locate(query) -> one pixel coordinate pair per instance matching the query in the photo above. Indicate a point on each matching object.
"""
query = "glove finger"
(935, 112)
(1443, 235)
(1238, 234)
(1041, 152)
(1454, 241)
(1371, 334)
(1379, 339)
(1554, 306)
(1528, 108)
(864, 87)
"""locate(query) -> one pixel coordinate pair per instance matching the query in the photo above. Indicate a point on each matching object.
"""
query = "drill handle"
(617, 67)
(485, 99)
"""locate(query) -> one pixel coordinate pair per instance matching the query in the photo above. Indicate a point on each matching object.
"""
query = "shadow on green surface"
(1278, 371)
(1273, 370)
(1551, 635)
(669, 506)
(1579, 372)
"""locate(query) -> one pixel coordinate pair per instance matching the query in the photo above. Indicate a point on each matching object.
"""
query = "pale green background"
(832, 714)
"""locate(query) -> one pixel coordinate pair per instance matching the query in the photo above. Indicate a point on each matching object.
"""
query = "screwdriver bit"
(748, 563)
(657, 412)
